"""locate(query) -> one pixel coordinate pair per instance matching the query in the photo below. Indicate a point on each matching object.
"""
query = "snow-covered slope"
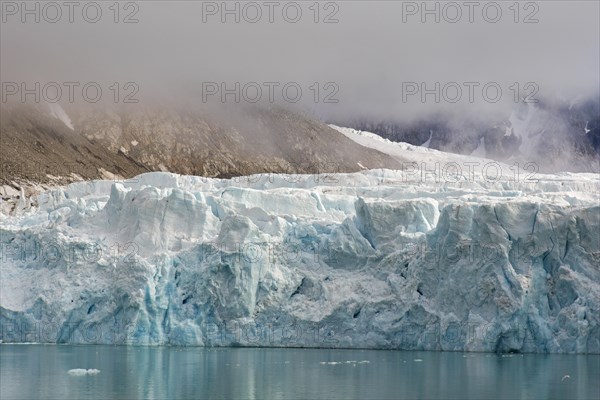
(430, 164)
(558, 134)
(375, 259)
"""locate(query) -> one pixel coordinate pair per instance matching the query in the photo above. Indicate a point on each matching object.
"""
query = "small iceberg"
(345, 362)
(83, 371)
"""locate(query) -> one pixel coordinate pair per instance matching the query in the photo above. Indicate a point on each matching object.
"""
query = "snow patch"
(59, 113)
(428, 142)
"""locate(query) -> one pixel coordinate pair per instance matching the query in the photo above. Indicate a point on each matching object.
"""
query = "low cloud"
(376, 59)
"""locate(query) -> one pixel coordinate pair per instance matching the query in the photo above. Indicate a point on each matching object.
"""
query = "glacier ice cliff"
(377, 259)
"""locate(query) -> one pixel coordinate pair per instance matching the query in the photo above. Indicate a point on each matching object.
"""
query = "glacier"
(384, 259)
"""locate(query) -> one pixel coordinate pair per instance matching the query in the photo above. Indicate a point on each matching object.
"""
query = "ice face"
(376, 259)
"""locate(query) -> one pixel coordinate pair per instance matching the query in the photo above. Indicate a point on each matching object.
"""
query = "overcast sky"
(371, 54)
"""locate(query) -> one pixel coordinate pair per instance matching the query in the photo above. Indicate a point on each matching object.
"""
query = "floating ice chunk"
(352, 362)
(83, 371)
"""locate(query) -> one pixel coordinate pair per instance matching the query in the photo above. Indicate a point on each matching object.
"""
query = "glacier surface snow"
(375, 259)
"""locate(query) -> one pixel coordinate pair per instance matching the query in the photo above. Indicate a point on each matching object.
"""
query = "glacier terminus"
(383, 259)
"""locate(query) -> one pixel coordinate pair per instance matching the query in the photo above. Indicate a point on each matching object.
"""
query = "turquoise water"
(41, 371)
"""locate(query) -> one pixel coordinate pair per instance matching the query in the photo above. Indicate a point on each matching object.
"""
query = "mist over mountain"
(555, 135)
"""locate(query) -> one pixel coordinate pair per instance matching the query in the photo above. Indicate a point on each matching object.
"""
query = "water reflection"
(40, 371)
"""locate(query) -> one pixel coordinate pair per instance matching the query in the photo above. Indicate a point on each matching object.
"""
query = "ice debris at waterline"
(373, 259)
(83, 372)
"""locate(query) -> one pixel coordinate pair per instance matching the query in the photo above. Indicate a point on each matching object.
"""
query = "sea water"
(120, 372)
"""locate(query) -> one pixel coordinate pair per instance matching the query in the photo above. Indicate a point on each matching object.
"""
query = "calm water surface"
(41, 371)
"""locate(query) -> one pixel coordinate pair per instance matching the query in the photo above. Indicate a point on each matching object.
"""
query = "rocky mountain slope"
(45, 144)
